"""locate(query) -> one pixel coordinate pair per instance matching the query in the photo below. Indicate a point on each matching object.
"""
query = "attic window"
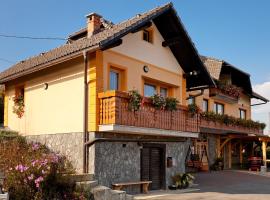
(148, 35)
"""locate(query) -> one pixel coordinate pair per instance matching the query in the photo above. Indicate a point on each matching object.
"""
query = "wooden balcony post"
(230, 154)
(241, 154)
(264, 145)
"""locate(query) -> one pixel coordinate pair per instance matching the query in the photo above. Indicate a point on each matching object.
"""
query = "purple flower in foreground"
(31, 177)
(21, 168)
(35, 146)
(38, 180)
(34, 162)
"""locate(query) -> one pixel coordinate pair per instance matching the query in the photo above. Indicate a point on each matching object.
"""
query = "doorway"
(153, 165)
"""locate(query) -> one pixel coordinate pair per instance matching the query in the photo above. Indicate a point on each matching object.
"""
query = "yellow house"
(74, 98)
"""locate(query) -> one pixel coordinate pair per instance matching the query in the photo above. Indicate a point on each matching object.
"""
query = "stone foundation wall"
(121, 162)
(68, 144)
(178, 151)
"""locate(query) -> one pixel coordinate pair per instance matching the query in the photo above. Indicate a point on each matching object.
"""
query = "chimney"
(93, 23)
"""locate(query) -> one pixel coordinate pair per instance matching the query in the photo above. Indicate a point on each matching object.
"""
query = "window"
(149, 90)
(148, 36)
(163, 92)
(243, 114)
(219, 108)
(191, 100)
(205, 105)
(114, 80)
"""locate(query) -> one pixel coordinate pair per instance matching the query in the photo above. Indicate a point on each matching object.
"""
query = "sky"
(236, 31)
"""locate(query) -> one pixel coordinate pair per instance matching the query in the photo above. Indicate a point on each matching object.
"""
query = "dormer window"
(148, 35)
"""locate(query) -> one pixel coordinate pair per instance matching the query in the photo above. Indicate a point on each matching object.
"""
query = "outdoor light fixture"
(46, 85)
(145, 69)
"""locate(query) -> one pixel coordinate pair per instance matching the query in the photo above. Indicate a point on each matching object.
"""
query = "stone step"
(101, 193)
(118, 195)
(86, 185)
(4, 197)
(80, 177)
(129, 197)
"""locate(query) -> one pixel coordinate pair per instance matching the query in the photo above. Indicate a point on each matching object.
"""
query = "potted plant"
(171, 103)
(158, 102)
(135, 100)
(193, 109)
(182, 181)
(18, 107)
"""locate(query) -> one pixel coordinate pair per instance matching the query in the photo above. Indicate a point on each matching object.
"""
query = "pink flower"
(38, 180)
(21, 168)
(31, 177)
(35, 146)
(34, 162)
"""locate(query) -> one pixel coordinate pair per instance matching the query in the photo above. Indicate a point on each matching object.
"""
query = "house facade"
(231, 97)
(75, 98)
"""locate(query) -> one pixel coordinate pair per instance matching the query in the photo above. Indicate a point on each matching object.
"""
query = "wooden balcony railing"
(229, 128)
(220, 95)
(114, 110)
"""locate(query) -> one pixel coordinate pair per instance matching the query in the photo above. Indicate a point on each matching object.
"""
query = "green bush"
(158, 102)
(171, 103)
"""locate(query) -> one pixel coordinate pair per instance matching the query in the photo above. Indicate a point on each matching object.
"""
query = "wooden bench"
(120, 186)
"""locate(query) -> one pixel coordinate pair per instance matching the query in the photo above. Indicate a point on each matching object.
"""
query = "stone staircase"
(87, 183)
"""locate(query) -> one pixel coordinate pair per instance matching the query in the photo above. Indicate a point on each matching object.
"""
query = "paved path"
(224, 185)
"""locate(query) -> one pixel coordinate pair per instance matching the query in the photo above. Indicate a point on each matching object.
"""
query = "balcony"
(229, 93)
(221, 128)
(116, 117)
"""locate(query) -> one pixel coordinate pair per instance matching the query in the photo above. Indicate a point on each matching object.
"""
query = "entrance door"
(153, 165)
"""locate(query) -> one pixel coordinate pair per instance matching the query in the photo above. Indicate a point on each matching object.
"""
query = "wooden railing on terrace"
(228, 128)
(114, 110)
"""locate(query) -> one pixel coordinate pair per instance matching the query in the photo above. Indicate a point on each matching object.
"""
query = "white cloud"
(261, 112)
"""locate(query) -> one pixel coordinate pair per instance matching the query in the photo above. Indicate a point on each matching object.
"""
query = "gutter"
(90, 143)
(85, 114)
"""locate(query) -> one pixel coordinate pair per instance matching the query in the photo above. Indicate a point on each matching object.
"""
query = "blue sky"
(236, 31)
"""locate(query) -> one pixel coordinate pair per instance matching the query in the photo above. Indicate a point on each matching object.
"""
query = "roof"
(213, 65)
(258, 96)
(165, 18)
(240, 78)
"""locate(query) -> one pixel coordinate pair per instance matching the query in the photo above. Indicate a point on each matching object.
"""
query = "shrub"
(182, 180)
(135, 100)
(171, 103)
(158, 102)
(32, 171)
(193, 109)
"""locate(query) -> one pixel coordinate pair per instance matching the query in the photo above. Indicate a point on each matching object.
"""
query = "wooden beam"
(218, 146)
(230, 154)
(264, 145)
(241, 154)
(225, 142)
(171, 41)
(141, 27)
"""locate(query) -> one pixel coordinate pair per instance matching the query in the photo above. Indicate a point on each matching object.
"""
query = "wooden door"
(153, 166)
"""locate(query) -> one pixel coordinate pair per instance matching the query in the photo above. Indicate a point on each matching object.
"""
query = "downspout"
(85, 114)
